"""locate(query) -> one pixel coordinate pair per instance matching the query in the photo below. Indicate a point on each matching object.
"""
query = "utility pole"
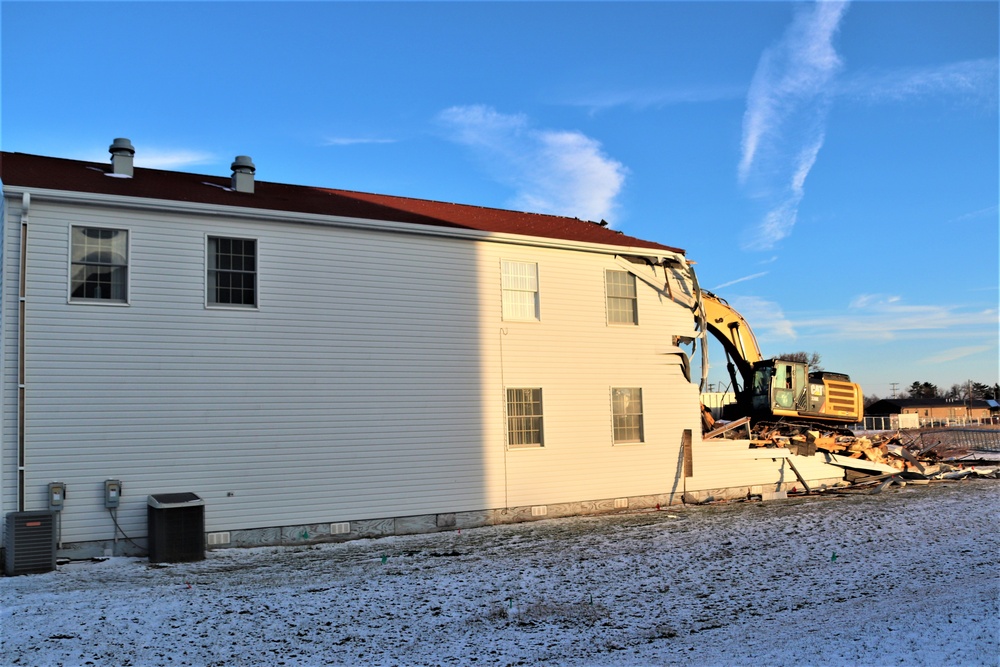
(968, 401)
(893, 388)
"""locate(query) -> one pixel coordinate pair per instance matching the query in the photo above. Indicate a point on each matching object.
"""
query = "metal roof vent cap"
(243, 171)
(122, 152)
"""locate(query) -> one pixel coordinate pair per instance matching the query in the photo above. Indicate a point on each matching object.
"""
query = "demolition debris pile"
(908, 456)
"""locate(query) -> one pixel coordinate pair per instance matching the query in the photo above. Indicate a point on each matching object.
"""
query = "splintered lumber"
(860, 464)
(798, 475)
(889, 480)
(828, 443)
(707, 420)
(726, 428)
(858, 479)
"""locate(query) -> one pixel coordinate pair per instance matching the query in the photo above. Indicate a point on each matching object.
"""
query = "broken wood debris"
(726, 428)
(874, 459)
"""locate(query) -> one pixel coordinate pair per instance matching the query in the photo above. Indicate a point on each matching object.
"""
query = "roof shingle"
(34, 171)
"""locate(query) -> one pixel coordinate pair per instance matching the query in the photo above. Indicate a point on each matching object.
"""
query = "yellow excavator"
(778, 389)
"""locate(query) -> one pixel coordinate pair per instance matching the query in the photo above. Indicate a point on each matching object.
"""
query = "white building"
(313, 361)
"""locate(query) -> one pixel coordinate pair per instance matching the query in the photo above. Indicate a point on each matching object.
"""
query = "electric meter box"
(176, 524)
(112, 493)
(57, 496)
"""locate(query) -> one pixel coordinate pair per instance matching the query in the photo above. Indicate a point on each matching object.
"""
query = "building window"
(232, 271)
(520, 290)
(622, 302)
(99, 264)
(524, 418)
(626, 412)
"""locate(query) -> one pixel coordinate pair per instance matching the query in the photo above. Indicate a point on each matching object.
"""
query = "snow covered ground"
(906, 577)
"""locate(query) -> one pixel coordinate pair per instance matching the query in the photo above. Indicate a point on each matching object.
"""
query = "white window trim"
(538, 293)
(607, 297)
(642, 418)
(506, 422)
(69, 267)
(256, 274)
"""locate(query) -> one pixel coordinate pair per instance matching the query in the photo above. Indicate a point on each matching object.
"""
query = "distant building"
(716, 401)
(935, 409)
(322, 364)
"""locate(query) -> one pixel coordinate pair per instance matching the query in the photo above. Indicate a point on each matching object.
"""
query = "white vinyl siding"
(520, 290)
(373, 384)
(98, 264)
(621, 296)
(626, 414)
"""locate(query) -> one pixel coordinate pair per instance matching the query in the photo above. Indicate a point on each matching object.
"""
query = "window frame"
(127, 300)
(511, 418)
(619, 432)
(209, 303)
(633, 299)
(505, 290)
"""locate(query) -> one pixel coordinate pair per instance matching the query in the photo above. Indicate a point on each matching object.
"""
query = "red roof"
(34, 171)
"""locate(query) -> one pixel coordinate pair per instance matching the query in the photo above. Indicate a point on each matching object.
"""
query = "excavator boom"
(768, 389)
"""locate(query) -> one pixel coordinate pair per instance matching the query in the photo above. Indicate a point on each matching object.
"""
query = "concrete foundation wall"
(432, 523)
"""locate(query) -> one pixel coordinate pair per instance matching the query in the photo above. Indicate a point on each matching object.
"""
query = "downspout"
(21, 296)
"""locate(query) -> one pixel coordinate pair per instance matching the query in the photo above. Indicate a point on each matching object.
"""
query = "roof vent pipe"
(243, 170)
(122, 153)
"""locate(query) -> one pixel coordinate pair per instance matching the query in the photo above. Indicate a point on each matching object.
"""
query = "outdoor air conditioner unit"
(176, 523)
(30, 541)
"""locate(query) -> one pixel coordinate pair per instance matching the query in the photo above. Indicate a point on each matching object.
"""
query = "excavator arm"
(737, 339)
(786, 388)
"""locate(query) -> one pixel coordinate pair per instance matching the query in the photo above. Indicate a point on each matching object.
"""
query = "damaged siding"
(735, 466)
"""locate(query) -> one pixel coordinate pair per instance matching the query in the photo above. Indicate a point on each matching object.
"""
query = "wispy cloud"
(795, 83)
(647, 98)
(171, 158)
(785, 120)
(741, 280)
(955, 353)
(968, 81)
(923, 334)
(872, 300)
(885, 317)
(767, 317)
(988, 212)
(561, 172)
(152, 158)
(354, 141)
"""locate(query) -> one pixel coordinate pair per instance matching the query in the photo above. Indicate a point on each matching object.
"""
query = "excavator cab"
(784, 388)
(780, 385)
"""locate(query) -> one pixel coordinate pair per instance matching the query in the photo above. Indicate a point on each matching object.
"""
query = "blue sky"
(832, 168)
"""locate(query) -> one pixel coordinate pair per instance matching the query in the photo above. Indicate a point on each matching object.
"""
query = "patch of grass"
(497, 614)
(662, 631)
(570, 613)
(563, 613)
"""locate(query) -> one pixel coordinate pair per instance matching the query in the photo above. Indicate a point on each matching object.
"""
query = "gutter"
(657, 255)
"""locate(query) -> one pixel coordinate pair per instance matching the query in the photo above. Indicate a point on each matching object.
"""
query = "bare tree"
(958, 392)
(813, 359)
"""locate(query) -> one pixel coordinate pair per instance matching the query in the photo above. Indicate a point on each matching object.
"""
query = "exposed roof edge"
(272, 215)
